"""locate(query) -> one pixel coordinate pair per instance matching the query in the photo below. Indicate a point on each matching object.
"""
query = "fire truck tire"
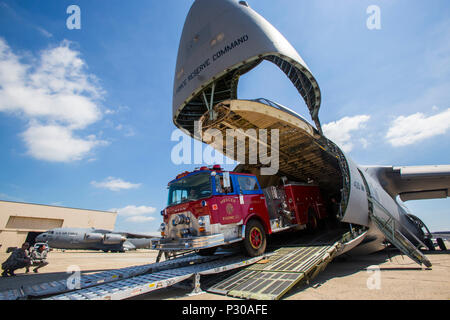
(207, 252)
(255, 240)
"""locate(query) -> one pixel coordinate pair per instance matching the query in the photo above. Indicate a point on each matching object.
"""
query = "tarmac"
(386, 275)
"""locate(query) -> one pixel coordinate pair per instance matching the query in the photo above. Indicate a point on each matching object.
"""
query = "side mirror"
(226, 179)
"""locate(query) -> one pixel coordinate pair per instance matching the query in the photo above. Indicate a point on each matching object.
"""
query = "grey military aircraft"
(224, 39)
(94, 239)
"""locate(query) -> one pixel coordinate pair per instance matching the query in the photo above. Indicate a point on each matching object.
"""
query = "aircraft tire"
(429, 243)
(441, 244)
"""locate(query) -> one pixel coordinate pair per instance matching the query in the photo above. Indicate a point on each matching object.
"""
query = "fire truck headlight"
(162, 229)
(202, 221)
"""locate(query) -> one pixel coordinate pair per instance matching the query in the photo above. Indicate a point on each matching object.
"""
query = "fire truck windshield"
(192, 187)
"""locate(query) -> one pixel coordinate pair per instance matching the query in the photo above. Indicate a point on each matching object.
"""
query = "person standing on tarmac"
(17, 260)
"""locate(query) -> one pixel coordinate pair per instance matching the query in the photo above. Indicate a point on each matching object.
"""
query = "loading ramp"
(270, 279)
(146, 283)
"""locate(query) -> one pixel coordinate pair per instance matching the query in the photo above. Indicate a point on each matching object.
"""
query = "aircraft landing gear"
(441, 244)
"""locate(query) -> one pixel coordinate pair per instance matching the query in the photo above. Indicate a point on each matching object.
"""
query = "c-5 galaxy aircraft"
(93, 239)
(224, 39)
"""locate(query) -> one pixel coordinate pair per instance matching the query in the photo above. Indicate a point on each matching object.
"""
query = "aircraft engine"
(93, 237)
(113, 239)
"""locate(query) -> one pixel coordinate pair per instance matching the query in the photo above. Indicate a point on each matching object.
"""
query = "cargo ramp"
(271, 278)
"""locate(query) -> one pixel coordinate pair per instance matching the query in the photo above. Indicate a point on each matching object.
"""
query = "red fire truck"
(209, 207)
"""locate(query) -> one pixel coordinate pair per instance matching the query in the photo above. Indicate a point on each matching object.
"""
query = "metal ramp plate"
(271, 278)
(139, 285)
(86, 281)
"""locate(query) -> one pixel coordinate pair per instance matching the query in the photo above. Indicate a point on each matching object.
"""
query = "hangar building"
(20, 222)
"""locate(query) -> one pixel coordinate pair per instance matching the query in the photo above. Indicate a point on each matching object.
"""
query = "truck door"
(226, 199)
(251, 197)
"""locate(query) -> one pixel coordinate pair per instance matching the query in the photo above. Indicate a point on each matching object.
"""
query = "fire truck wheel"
(207, 252)
(255, 240)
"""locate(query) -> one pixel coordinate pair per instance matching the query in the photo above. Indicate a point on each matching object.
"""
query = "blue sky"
(385, 95)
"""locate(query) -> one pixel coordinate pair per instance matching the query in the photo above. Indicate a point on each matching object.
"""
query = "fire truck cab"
(210, 207)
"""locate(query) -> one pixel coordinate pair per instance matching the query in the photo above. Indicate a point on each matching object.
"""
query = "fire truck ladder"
(270, 279)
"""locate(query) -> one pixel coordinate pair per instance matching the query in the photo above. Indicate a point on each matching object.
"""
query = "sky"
(86, 114)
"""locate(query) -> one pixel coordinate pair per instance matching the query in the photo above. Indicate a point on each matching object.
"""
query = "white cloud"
(364, 142)
(44, 32)
(56, 143)
(133, 210)
(342, 131)
(136, 213)
(127, 130)
(140, 219)
(56, 95)
(406, 130)
(115, 184)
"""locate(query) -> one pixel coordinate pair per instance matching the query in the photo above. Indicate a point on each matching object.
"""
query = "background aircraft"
(94, 239)
(224, 39)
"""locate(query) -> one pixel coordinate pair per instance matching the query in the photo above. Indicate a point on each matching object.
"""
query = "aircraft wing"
(414, 182)
(136, 235)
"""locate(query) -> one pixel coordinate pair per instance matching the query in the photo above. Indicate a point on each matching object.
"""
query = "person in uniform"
(38, 258)
(17, 260)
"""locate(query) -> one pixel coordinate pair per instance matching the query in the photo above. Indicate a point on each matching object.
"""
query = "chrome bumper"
(188, 243)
